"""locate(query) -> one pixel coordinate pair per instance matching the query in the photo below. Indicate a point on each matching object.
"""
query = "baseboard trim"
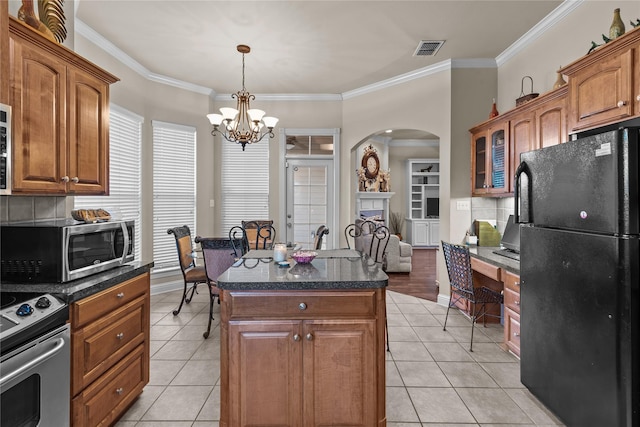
(167, 287)
(443, 300)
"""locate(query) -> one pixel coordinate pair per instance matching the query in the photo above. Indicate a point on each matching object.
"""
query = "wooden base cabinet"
(512, 312)
(109, 351)
(321, 365)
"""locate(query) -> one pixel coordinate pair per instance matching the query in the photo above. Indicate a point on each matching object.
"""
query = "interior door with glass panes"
(309, 201)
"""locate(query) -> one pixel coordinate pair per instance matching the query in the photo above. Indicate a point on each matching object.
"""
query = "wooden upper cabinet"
(603, 86)
(61, 117)
(551, 120)
(521, 138)
(88, 121)
(489, 158)
(39, 88)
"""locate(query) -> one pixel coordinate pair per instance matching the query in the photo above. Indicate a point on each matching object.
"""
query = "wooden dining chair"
(219, 255)
(458, 261)
(192, 274)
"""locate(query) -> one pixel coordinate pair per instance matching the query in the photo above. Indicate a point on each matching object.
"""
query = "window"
(245, 183)
(123, 201)
(174, 188)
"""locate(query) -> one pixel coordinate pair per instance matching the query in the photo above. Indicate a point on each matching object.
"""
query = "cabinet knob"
(638, 98)
(516, 284)
(302, 306)
(75, 180)
(309, 337)
(296, 337)
(119, 390)
(622, 104)
(65, 179)
(120, 335)
(516, 334)
(120, 295)
(517, 303)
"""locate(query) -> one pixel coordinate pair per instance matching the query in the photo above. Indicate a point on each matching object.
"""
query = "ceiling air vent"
(428, 47)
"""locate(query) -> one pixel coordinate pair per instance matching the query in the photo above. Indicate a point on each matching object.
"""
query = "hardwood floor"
(421, 282)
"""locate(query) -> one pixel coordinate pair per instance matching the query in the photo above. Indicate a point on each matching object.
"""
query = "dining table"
(303, 343)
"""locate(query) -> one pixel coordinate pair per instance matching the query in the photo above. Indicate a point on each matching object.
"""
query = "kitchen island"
(303, 345)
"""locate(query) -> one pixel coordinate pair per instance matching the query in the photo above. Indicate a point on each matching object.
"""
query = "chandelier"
(242, 125)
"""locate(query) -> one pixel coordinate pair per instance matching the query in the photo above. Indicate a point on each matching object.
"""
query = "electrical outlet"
(212, 203)
(463, 205)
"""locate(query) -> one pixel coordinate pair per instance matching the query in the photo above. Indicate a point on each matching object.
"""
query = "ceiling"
(304, 47)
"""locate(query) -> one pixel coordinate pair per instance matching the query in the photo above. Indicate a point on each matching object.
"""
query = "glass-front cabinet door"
(489, 154)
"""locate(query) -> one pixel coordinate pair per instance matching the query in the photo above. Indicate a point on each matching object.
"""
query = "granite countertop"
(333, 269)
(87, 286)
(485, 253)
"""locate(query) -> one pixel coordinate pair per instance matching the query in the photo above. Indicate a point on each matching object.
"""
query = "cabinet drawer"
(96, 306)
(512, 281)
(512, 331)
(302, 304)
(99, 345)
(109, 396)
(486, 269)
(512, 300)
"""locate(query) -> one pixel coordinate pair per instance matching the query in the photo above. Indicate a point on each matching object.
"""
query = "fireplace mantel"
(373, 201)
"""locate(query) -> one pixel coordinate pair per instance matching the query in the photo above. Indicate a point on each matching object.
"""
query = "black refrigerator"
(577, 203)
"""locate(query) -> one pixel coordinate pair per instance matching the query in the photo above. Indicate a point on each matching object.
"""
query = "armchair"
(397, 254)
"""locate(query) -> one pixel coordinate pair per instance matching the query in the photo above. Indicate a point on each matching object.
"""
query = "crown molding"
(285, 97)
(97, 39)
(414, 143)
(557, 15)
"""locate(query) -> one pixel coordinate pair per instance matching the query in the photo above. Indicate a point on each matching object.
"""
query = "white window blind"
(123, 201)
(174, 188)
(245, 183)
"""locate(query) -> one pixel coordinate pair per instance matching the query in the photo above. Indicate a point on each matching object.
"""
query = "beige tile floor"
(432, 378)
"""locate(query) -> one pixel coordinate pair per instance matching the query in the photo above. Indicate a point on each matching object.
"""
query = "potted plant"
(396, 222)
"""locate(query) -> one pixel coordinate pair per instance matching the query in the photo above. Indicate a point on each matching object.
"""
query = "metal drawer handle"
(296, 337)
(516, 302)
(516, 284)
(638, 98)
(309, 337)
(119, 390)
(120, 335)
(65, 179)
(302, 306)
(516, 334)
(120, 295)
(622, 104)
(75, 180)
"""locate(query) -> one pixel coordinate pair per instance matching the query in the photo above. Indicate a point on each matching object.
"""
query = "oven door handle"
(44, 356)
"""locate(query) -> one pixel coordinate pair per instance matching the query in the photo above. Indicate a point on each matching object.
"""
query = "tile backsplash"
(497, 209)
(27, 208)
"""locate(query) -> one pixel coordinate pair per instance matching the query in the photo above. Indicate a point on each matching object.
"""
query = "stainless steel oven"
(63, 250)
(5, 149)
(35, 362)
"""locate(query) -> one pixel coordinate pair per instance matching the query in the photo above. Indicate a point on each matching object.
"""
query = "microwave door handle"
(125, 247)
(65, 251)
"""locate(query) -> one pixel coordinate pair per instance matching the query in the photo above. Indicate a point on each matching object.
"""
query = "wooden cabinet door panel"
(339, 359)
(601, 93)
(479, 163)
(38, 99)
(88, 134)
(551, 124)
(264, 368)
(521, 133)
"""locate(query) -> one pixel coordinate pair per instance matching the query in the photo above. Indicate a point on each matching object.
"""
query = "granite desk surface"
(87, 286)
(331, 269)
(485, 253)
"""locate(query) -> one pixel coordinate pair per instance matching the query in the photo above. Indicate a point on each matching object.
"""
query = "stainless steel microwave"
(63, 250)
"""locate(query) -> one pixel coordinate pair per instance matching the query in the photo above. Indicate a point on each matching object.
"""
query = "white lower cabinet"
(423, 232)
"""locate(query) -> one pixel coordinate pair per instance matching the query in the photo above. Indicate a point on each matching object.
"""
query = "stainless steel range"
(34, 360)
